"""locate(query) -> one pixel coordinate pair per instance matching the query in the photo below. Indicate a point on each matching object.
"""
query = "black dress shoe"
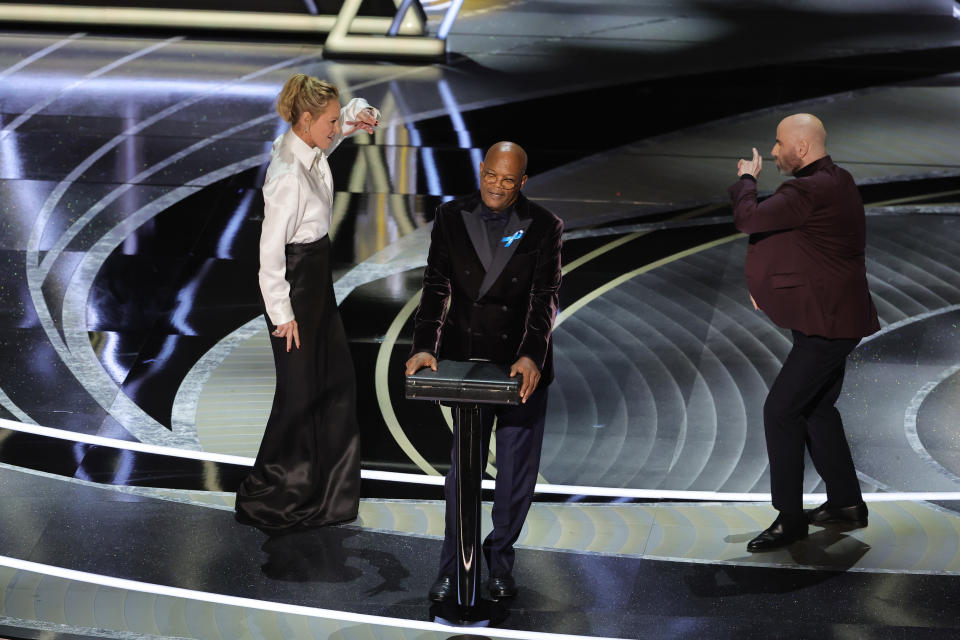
(442, 589)
(779, 534)
(502, 588)
(851, 517)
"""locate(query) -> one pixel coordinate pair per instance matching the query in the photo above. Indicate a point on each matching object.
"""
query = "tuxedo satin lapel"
(478, 236)
(503, 253)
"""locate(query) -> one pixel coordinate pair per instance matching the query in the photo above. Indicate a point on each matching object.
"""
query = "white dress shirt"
(297, 204)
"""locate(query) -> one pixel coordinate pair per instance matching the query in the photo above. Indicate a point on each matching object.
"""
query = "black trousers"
(799, 412)
(519, 441)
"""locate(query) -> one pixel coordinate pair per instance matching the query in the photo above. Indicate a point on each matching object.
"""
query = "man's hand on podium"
(420, 360)
(531, 376)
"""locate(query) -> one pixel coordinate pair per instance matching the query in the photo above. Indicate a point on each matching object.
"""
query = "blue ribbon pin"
(508, 240)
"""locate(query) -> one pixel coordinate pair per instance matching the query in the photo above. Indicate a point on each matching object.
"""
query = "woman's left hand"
(288, 331)
(366, 120)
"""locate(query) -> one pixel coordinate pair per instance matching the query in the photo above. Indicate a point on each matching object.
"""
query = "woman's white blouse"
(297, 204)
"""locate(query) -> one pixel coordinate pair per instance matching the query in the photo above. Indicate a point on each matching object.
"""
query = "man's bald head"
(801, 139)
(511, 149)
(502, 175)
(807, 127)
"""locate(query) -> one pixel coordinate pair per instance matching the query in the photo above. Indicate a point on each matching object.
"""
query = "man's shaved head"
(801, 139)
(502, 175)
(807, 127)
(509, 148)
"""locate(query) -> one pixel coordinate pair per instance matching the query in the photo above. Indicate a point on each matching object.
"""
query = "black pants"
(799, 412)
(519, 441)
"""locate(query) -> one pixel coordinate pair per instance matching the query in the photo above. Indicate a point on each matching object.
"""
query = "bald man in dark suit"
(490, 293)
(805, 269)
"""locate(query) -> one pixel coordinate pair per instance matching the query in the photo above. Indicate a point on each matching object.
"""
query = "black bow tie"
(489, 215)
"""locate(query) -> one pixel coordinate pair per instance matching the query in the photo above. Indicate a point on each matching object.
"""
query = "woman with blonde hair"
(307, 472)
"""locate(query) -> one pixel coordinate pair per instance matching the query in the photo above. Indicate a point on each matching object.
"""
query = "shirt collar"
(813, 167)
(306, 154)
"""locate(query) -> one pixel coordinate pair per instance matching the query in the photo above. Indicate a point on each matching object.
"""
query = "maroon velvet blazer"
(502, 303)
(805, 261)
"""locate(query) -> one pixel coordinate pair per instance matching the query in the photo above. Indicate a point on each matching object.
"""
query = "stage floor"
(138, 374)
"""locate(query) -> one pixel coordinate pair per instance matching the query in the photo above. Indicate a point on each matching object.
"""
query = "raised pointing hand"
(752, 166)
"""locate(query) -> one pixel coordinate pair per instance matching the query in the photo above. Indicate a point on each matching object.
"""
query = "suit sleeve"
(787, 208)
(544, 299)
(430, 315)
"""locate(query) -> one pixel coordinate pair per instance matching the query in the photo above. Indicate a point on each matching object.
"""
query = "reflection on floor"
(129, 181)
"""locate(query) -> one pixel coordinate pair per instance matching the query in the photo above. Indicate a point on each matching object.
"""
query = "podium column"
(468, 479)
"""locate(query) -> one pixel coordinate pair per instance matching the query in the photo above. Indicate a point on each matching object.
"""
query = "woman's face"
(324, 126)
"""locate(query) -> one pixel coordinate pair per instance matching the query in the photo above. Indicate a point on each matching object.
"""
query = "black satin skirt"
(307, 472)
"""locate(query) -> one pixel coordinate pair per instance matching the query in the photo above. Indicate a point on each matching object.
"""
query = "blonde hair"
(304, 94)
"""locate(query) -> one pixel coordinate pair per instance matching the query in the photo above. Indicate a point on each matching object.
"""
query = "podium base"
(455, 615)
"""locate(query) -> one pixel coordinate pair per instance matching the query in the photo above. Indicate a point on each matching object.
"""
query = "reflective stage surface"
(138, 374)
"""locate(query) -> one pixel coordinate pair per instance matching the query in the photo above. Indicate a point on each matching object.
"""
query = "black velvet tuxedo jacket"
(496, 305)
(805, 263)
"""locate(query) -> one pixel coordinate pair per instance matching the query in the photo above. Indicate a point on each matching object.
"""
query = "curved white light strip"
(893, 326)
(124, 444)
(910, 422)
(416, 478)
(276, 607)
(10, 406)
(40, 106)
(39, 54)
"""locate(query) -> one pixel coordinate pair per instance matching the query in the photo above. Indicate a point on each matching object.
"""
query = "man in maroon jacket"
(805, 270)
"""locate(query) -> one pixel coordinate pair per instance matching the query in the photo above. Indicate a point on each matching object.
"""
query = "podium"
(466, 385)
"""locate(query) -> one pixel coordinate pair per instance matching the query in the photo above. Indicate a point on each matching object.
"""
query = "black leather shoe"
(442, 589)
(851, 517)
(779, 534)
(502, 588)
